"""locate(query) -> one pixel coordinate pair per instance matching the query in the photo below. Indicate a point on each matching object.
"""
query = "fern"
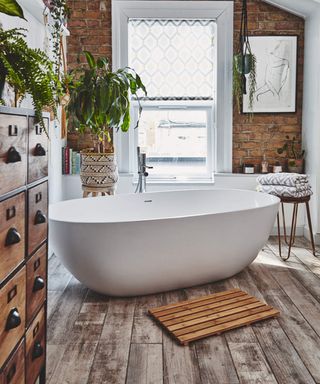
(30, 71)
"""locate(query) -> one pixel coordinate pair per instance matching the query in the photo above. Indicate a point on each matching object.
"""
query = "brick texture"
(90, 27)
(266, 132)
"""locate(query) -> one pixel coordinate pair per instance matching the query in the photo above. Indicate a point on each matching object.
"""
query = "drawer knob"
(38, 284)
(13, 237)
(13, 320)
(37, 350)
(40, 218)
(39, 150)
(13, 155)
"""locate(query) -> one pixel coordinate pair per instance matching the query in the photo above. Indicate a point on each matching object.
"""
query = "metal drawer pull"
(39, 150)
(13, 130)
(37, 350)
(13, 155)
(11, 373)
(38, 130)
(13, 237)
(38, 284)
(40, 218)
(13, 320)
(11, 212)
(36, 264)
(38, 197)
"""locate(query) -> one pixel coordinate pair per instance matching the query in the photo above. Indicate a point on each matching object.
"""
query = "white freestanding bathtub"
(138, 244)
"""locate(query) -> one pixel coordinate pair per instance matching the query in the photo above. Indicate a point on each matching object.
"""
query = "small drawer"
(12, 315)
(37, 216)
(14, 370)
(35, 347)
(12, 234)
(36, 281)
(13, 152)
(37, 151)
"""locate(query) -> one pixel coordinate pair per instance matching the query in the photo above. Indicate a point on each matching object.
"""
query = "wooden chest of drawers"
(23, 247)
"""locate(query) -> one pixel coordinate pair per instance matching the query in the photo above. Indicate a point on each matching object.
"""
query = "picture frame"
(276, 74)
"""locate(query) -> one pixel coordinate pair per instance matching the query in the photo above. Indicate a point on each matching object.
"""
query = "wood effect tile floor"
(96, 339)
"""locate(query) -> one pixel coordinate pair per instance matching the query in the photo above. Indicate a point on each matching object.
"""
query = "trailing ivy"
(28, 70)
(59, 12)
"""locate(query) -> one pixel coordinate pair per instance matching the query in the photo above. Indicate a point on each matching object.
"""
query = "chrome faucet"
(142, 172)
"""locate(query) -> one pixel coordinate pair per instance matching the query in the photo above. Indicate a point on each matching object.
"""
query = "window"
(178, 48)
(175, 59)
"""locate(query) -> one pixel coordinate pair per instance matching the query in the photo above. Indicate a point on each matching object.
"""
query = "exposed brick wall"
(266, 132)
(90, 27)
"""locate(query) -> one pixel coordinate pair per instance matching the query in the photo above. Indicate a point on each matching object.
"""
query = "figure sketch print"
(276, 74)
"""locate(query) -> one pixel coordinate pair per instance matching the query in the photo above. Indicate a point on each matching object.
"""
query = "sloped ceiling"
(303, 8)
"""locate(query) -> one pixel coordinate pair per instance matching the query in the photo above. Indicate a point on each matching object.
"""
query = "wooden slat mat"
(211, 315)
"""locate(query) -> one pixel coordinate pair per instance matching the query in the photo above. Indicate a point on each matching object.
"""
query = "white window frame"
(196, 105)
(222, 13)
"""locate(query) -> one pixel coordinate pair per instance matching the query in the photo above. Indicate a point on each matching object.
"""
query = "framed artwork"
(276, 74)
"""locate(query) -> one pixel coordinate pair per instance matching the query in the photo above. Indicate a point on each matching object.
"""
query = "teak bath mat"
(211, 315)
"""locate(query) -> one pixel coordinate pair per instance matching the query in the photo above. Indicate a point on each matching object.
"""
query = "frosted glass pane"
(175, 141)
(175, 58)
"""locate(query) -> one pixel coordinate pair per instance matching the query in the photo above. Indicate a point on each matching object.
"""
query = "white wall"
(311, 111)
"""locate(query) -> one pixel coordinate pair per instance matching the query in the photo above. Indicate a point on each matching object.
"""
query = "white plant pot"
(98, 170)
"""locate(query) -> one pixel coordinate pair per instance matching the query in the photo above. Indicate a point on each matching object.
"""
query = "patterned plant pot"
(98, 170)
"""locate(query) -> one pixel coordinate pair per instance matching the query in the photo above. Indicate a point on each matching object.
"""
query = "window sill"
(190, 181)
(177, 181)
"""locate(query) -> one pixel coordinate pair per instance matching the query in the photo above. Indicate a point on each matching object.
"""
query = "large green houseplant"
(100, 103)
(27, 70)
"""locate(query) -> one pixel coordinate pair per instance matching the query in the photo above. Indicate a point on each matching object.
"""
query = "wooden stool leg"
(85, 194)
(310, 228)
(279, 234)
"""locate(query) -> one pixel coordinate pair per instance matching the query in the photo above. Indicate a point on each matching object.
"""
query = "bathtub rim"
(274, 200)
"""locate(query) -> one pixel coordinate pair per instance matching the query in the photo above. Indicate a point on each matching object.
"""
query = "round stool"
(110, 190)
(295, 201)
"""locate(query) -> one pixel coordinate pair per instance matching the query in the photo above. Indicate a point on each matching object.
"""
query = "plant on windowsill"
(28, 70)
(295, 156)
(100, 103)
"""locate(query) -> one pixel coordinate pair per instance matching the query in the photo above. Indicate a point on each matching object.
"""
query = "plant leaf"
(11, 8)
(90, 59)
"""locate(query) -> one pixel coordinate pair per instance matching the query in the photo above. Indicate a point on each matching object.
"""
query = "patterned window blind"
(175, 58)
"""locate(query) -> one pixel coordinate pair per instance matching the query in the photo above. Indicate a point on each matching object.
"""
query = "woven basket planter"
(98, 170)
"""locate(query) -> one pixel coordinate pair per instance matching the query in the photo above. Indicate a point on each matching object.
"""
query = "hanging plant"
(59, 12)
(27, 70)
(244, 65)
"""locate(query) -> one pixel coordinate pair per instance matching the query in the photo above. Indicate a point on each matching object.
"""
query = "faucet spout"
(142, 171)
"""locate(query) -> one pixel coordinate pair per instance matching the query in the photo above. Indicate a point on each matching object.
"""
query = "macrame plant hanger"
(244, 46)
